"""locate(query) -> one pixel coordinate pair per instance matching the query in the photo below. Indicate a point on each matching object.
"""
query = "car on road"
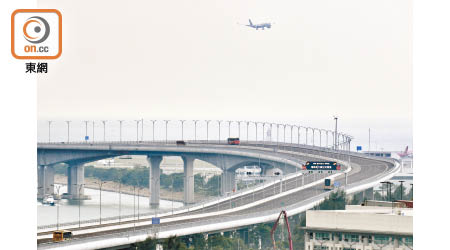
(233, 141)
(181, 143)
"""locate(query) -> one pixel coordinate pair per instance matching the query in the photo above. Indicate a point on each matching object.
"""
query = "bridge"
(295, 191)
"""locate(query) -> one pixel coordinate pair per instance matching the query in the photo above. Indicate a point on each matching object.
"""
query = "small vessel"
(48, 200)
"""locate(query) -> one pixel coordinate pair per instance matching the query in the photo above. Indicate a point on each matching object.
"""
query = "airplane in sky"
(405, 153)
(258, 26)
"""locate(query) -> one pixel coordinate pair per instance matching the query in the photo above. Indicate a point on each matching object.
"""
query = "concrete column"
(228, 181)
(40, 175)
(75, 179)
(49, 180)
(307, 237)
(188, 179)
(154, 177)
(366, 241)
(395, 242)
(335, 239)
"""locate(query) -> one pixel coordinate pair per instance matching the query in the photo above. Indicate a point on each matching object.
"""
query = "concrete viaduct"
(226, 157)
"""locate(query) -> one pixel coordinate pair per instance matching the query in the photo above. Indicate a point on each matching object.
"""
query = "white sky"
(191, 60)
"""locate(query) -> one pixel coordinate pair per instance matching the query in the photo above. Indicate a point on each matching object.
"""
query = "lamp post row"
(340, 141)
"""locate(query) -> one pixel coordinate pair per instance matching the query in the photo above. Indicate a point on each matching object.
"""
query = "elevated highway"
(294, 192)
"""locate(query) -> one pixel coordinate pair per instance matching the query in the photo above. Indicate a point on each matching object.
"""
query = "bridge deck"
(362, 168)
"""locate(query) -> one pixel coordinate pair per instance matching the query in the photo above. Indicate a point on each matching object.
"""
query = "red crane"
(288, 228)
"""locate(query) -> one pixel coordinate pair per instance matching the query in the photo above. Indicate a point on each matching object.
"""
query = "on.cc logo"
(36, 29)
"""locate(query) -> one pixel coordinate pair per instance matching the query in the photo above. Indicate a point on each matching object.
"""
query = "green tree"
(399, 192)
(262, 232)
(198, 241)
(212, 185)
(219, 242)
(298, 233)
(173, 243)
(148, 244)
(336, 201)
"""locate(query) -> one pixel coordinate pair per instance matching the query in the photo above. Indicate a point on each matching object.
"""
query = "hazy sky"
(191, 59)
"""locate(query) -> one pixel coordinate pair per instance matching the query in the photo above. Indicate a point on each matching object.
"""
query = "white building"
(359, 228)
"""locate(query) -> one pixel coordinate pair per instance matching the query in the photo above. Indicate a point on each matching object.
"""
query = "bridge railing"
(264, 212)
(287, 147)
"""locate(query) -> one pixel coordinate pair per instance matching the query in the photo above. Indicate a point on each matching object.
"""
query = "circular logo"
(36, 29)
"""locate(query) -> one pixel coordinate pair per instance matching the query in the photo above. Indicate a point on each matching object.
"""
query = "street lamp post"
(138, 198)
(142, 129)
(229, 129)
(247, 122)
(182, 132)
(137, 130)
(239, 129)
(219, 121)
(153, 129)
(134, 207)
(298, 134)
(120, 130)
(57, 207)
(292, 127)
(104, 130)
(195, 129)
(313, 130)
(79, 204)
(335, 133)
(278, 130)
(320, 137)
(120, 199)
(86, 135)
(68, 131)
(93, 131)
(306, 135)
(263, 131)
(100, 185)
(171, 177)
(166, 121)
(271, 131)
(49, 124)
(256, 129)
(207, 129)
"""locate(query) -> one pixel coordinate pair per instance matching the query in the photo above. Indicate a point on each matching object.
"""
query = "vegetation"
(396, 193)
(336, 201)
(251, 237)
(138, 176)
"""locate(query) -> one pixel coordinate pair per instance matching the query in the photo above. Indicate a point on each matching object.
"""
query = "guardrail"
(265, 213)
(213, 200)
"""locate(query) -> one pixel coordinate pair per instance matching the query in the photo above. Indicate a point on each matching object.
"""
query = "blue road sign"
(86, 138)
(358, 148)
(337, 184)
(155, 220)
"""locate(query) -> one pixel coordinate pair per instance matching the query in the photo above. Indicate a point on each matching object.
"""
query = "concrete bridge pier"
(41, 182)
(188, 179)
(46, 176)
(228, 181)
(75, 181)
(154, 178)
(49, 180)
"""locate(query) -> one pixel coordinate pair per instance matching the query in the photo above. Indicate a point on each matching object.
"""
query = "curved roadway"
(363, 168)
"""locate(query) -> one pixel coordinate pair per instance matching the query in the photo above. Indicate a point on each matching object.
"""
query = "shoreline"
(112, 186)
